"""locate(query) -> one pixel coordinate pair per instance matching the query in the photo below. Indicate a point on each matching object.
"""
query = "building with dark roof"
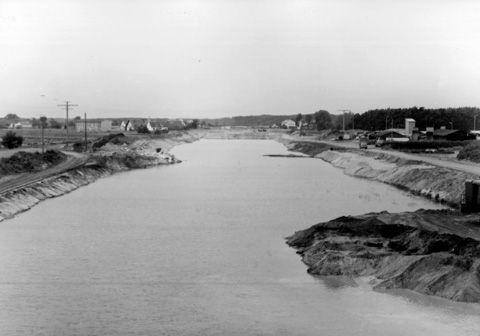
(450, 135)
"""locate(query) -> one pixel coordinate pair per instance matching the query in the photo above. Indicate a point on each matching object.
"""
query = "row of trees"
(322, 120)
(463, 118)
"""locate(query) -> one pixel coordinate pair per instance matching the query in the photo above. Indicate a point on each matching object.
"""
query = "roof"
(409, 119)
(387, 133)
(136, 122)
(156, 124)
(444, 132)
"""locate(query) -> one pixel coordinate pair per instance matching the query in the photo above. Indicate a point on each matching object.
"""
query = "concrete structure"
(94, 125)
(409, 126)
(472, 196)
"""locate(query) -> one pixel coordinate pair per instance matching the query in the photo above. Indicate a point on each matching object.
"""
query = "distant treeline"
(254, 120)
(461, 118)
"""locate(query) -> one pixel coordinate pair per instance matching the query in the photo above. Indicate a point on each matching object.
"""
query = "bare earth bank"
(430, 252)
(106, 161)
(434, 252)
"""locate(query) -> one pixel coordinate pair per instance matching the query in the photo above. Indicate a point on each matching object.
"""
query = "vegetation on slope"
(24, 162)
(470, 152)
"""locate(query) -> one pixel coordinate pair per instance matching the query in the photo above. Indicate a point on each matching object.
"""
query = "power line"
(66, 106)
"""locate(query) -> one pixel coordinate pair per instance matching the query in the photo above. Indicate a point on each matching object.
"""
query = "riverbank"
(430, 252)
(105, 161)
(439, 184)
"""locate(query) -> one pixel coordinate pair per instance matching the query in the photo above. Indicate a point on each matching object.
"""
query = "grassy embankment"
(24, 162)
(470, 152)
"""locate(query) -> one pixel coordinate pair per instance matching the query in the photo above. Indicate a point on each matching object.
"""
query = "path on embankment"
(466, 167)
(73, 160)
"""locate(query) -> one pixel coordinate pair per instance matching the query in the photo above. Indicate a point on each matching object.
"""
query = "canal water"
(198, 249)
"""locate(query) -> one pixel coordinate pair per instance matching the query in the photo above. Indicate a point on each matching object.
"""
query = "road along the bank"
(73, 160)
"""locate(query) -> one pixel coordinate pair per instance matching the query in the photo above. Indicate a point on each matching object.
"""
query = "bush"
(11, 140)
(143, 129)
(470, 152)
(22, 162)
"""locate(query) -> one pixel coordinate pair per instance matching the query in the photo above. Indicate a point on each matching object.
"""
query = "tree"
(193, 124)
(77, 118)
(11, 140)
(298, 118)
(36, 123)
(54, 123)
(323, 120)
(143, 129)
(308, 118)
(11, 116)
(43, 122)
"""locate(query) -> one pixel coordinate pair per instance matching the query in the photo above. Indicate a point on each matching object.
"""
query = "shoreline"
(432, 252)
(110, 159)
(439, 184)
(420, 251)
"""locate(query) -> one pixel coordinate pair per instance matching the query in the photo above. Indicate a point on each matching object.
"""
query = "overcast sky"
(222, 58)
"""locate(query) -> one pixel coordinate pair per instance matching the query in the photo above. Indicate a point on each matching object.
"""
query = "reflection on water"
(198, 249)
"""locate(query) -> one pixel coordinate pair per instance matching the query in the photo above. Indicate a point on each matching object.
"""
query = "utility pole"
(85, 122)
(344, 118)
(43, 121)
(391, 134)
(66, 106)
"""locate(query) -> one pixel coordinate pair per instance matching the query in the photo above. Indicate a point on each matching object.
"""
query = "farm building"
(450, 135)
(93, 125)
(24, 124)
(391, 135)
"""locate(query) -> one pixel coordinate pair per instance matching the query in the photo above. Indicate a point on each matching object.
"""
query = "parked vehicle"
(363, 143)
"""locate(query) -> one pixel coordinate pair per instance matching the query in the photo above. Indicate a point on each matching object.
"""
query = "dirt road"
(73, 160)
(451, 163)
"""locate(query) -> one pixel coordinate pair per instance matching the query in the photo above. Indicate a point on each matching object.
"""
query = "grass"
(24, 162)
(470, 152)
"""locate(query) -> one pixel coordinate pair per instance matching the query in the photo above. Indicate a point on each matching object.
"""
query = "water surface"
(198, 249)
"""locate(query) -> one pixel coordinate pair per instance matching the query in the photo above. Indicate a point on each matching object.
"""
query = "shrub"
(470, 152)
(12, 140)
(143, 129)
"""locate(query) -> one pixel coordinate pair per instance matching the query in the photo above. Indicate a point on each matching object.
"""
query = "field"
(33, 137)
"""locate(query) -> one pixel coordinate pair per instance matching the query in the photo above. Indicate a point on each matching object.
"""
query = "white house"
(288, 123)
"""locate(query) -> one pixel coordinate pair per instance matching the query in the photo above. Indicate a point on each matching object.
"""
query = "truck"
(363, 143)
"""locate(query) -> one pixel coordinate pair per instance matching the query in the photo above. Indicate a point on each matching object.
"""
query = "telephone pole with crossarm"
(66, 106)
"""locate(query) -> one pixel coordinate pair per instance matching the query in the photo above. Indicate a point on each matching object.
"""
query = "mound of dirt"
(431, 252)
(116, 139)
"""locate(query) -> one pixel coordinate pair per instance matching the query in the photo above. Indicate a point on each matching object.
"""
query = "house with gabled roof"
(131, 125)
(288, 123)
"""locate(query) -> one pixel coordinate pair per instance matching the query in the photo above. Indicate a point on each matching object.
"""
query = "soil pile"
(431, 252)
